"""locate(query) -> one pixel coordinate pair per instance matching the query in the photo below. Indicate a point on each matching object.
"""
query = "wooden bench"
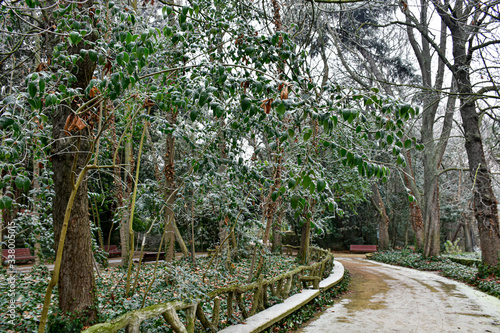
(112, 250)
(23, 254)
(363, 248)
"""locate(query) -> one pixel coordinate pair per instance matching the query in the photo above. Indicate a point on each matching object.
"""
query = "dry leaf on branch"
(266, 105)
(93, 92)
(41, 67)
(107, 68)
(245, 85)
(284, 92)
(148, 103)
(73, 122)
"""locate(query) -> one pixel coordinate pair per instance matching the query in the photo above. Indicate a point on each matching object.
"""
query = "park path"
(385, 298)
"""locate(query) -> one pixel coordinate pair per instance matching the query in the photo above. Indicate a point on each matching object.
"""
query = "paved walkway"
(386, 298)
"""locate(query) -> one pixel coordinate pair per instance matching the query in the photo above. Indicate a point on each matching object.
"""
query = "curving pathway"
(385, 298)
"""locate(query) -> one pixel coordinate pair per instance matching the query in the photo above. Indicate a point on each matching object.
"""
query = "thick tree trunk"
(383, 240)
(76, 285)
(485, 203)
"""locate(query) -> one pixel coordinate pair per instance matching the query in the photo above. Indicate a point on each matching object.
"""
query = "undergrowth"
(184, 282)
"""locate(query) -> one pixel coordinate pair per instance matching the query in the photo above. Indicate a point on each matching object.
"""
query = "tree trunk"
(432, 223)
(276, 242)
(485, 203)
(124, 201)
(170, 190)
(179, 239)
(468, 233)
(76, 285)
(383, 240)
(305, 236)
(36, 214)
(417, 224)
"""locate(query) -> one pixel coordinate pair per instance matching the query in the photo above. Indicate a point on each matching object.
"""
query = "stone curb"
(270, 316)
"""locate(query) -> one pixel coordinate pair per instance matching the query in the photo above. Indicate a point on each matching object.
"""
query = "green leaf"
(185, 10)
(307, 134)
(321, 185)
(193, 115)
(282, 190)
(26, 184)
(390, 139)
(249, 50)
(74, 37)
(19, 182)
(312, 187)
(281, 110)
(274, 196)
(182, 19)
(346, 113)
(119, 59)
(245, 104)
(291, 133)
(291, 183)
(408, 144)
(203, 98)
(41, 85)
(294, 201)
(7, 202)
(32, 89)
(400, 159)
(92, 55)
(306, 181)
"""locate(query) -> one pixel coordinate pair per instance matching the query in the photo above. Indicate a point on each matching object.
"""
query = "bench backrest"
(17, 252)
(363, 247)
(108, 248)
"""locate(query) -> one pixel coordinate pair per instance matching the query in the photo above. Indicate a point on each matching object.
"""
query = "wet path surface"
(386, 298)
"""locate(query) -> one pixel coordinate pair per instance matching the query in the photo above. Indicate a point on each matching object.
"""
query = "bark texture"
(170, 190)
(376, 199)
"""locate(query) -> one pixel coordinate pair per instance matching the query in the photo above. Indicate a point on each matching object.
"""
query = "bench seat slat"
(363, 248)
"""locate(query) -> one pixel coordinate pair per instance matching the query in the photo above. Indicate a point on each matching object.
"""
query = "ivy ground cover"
(178, 280)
